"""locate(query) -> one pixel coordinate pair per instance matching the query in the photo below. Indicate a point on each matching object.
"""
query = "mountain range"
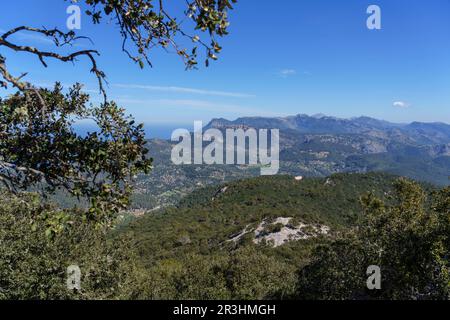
(415, 132)
(311, 146)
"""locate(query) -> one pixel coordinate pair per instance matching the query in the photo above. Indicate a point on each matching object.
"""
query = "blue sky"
(281, 58)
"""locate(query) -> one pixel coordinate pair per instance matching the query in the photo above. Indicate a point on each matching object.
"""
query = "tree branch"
(60, 38)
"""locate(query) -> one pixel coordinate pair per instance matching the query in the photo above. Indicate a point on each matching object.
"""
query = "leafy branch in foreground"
(406, 238)
(33, 263)
(39, 146)
(43, 150)
(148, 24)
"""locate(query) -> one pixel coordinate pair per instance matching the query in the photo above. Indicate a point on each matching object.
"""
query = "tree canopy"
(39, 146)
(407, 237)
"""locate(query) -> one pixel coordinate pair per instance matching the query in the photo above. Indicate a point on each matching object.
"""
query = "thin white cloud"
(34, 37)
(287, 73)
(401, 104)
(175, 89)
(38, 38)
(196, 105)
(51, 85)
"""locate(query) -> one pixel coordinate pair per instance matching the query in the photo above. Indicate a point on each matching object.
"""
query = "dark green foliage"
(38, 144)
(39, 148)
(406, 238)
(375, 219)
(185, 252)
(38, 243)
(332, 274)
(149, 23)
(210, 216)
(194, 236)
(245, 273)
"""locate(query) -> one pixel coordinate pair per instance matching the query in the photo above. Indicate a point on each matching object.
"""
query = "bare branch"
(60, 38)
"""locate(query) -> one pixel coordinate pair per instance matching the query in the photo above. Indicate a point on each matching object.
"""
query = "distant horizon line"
(321, 116)
(317, 116)
(163, 129)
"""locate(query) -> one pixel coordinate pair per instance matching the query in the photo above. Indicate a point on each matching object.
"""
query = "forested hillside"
(91, 208)
(261, 238)
(209, 217)
(311, 146)
(264, 238)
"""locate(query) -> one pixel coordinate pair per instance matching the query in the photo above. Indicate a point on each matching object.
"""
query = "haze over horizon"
(302, 57)
(164, 130)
